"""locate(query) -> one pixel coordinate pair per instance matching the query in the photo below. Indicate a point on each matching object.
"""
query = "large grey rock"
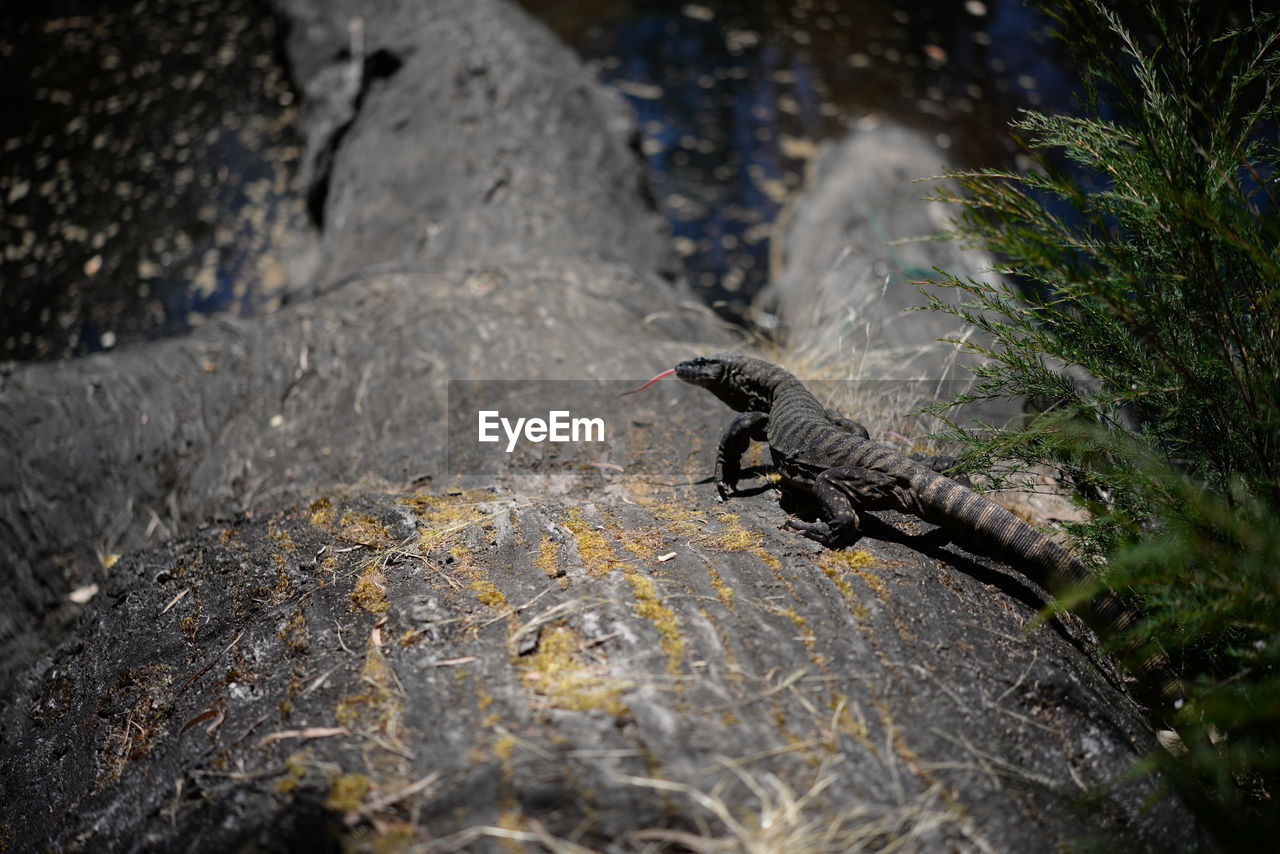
(490, 144)
(532, 662)
(102, 455)
(625, 665)
(845, 285)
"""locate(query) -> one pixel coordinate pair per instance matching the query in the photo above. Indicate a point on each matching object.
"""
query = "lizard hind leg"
(941, 464)
(847, 424)
(840, 492)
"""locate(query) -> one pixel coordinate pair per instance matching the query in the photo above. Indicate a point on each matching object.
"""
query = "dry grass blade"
(775, 819)
(390, 799)
(309, 732)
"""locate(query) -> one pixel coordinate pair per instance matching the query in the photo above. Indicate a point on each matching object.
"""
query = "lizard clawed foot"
(820, 532)
(725, 490)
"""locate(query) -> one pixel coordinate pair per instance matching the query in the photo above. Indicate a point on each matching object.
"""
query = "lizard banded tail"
(991, 530)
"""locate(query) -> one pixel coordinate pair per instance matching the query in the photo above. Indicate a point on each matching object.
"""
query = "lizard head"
(705, 371)
(745, 384)
(739, 381)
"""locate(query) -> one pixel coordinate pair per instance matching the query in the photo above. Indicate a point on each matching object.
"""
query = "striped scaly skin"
(833, 460)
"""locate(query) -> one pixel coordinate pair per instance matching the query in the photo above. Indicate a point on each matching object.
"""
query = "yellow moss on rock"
(504, 747)
(435, 508)
(736, 538)
(347, 792)
(464, 564)
(858, 561)
(370, 592)
(394, 837)
(649, 606)
(597, 554)
(642, 542)
(365, 530)
(283, 539)
(513, 820)
(677, 518)
(852, 558)
(379, 705)
(295, 765)
(801, 622)
(483, 701)
(548, 559)
(294, 632)
(284, 584)
(842, 584)
(442, 516)
(488, 593)
(723, 590)
(321, 513)
(283, 588)
(562, 677)
(681, 521)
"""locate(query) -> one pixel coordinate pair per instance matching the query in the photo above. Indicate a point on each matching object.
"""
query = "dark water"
(734, 98)
(149, 157)
(149, 154)
(146, 174)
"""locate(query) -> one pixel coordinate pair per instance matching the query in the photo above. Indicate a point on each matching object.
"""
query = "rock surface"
(287, 683)
(451, 160)
(100, 455)
(513, 661)
(843, 283)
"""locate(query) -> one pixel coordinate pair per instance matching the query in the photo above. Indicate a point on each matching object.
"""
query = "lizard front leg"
(733, 444)
(838, 490)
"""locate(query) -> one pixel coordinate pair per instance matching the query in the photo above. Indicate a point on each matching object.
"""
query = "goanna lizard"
(832, 459)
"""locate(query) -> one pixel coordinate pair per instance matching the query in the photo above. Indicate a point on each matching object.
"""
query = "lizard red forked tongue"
(667, 372)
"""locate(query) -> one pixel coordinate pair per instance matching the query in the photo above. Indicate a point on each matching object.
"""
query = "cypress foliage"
(1138, 308)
